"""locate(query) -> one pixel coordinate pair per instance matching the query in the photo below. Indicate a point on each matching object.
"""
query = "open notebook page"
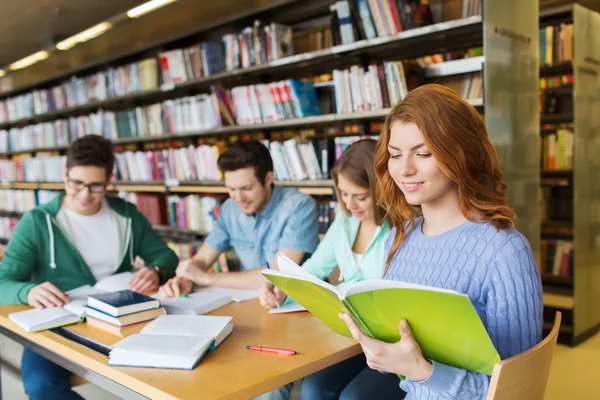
(290, 269)
(377, 284)
(237, 295)
(163, 344)
(187, 325)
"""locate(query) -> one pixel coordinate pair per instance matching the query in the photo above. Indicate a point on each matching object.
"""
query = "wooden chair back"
(525, 376)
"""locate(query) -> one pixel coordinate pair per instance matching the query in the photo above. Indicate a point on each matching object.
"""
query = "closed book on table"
(125, 320)
(122, 331)
(172, 341)
(122, 302)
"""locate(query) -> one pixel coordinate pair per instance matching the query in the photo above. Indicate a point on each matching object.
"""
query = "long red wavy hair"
(454, 132)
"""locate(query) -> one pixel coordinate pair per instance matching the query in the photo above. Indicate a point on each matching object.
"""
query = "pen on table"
(282, 352)
(276, 301)
(182, 295)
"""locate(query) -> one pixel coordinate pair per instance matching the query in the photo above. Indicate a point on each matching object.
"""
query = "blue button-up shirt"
(289, 221)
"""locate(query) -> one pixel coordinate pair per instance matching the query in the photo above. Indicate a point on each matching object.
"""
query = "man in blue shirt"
(258, 221)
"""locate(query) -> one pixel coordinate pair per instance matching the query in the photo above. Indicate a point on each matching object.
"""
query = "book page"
(289, 269)
(236, 295)
(288, 308)
(37, 317)
(78, 299)
(378, 284)
(172, 345)
(114, 283)
(187, 325)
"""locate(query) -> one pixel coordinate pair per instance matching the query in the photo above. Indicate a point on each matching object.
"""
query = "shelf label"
(171, 182)
(165, 87)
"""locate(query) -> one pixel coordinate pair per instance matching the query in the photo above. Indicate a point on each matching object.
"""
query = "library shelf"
(557, 280)
(455, 67)
(559, 301)
(440, 35)
(313, 121)
(170, 229)
(558, 68)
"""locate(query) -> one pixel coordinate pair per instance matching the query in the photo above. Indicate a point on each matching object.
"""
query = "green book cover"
(444, 323)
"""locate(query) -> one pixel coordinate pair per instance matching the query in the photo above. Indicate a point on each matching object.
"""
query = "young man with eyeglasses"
(78, 238)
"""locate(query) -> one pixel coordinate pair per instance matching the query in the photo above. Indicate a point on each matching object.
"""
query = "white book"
(38, 320)
(172, 341)
(41, 319)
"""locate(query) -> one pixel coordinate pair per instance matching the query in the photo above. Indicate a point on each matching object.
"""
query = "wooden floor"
(575, 372)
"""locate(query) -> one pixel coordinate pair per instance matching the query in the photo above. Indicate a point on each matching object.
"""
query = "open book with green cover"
(443, 322)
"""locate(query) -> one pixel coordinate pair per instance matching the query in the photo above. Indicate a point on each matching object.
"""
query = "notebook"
(41, 319)
(197, 303)
(172, 341)
(443, 322)
(120, 303)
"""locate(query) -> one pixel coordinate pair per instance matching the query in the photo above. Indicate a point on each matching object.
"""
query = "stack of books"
(122, 312)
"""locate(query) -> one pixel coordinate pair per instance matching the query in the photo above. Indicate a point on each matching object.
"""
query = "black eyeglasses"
(94, 187)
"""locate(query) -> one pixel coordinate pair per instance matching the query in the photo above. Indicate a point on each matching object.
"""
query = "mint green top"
(335, 250)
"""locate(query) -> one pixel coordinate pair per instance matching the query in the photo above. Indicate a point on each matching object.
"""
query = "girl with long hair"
(355, 243)
(440, 184)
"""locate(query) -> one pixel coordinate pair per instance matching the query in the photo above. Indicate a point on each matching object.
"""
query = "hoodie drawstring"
(131, 259)
(51, 233)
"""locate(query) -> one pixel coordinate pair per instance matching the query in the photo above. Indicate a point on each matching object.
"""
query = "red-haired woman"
(440, 183)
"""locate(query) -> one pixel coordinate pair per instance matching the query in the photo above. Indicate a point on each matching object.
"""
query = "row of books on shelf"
(258, 44)
(242, 105)
(556, 43)
(556, 257)
(135, 77)
(552, 82)
(7, 226)
(33, 169)
(255, 45)
(20, 201)
(261, 43)
(293, 159)
(199, 213)
(192, 212)
(354, 20)
(557, 150)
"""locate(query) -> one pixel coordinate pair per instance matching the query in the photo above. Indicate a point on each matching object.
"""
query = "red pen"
(282, 352)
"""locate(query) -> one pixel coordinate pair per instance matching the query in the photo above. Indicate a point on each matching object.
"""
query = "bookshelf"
(570, 199)
(509, 72)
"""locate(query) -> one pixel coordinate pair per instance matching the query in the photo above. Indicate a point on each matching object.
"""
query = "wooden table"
(229, 372)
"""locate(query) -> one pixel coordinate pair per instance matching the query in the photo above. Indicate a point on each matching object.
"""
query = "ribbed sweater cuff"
(442, 378)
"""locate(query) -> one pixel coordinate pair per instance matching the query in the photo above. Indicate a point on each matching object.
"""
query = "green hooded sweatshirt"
(39, 251)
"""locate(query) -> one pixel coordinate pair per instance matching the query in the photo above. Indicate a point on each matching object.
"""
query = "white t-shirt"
(96, 237)
(358, 258)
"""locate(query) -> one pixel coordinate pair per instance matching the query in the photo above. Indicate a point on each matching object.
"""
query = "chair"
(524, 376)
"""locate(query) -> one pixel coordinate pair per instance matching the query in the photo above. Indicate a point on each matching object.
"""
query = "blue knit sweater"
(497, 270)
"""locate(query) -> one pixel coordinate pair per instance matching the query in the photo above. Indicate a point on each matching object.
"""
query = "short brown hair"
(247, 154)
(357, 165)
(91, 151)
